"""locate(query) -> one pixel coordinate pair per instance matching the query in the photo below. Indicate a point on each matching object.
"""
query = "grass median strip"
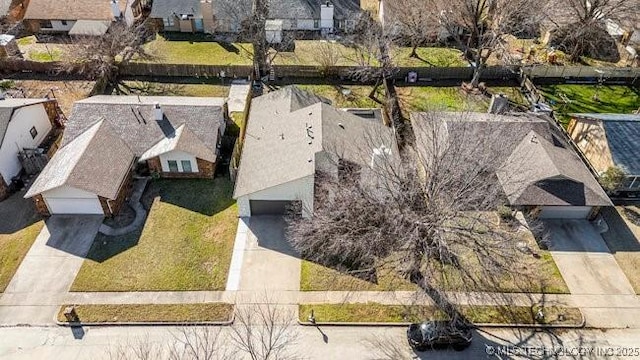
(121, 313)
(375, 312)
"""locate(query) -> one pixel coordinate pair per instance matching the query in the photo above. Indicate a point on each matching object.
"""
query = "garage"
(565, 212)
(270, 207)
(58, 205)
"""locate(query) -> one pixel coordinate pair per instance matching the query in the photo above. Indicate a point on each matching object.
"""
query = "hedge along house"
(291, 136)
(610, 140)
(174, 137)
(79, 17)
(535, 169)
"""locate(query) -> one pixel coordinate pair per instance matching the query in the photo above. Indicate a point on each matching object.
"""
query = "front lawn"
(198, 52)
(532, 274)
(209, 88)
(623, 240)
(119, 313)
(374, 312)
(566, 99)
(13, 248)
(185, 244)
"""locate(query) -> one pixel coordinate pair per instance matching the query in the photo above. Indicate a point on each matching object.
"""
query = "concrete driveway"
(269, 262)
(48, 270)
(584, 259)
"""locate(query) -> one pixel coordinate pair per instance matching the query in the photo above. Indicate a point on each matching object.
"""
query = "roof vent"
(340, 125)
(157, 111)
(534, 139)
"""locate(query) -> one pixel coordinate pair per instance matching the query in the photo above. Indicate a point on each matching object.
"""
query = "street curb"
(150, 323)
(492, 325)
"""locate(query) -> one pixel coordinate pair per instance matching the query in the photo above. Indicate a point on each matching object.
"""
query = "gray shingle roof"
(310, 9)
(289, 127)
(162, 9)
(623, 135)
(133, 119)
(542, 173)
(96, 161)
(7, 107)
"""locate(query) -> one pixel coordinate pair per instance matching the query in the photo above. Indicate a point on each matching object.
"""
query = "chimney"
(206, 8)
(115, 9)
(499, 104)
(379, 155)
(157, 111)
(326, 16)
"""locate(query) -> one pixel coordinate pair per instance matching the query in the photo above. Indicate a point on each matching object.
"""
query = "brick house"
(25, 124)
(175, 137)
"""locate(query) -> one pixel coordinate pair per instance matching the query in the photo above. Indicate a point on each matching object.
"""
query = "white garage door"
(74, 205)
(565, 212)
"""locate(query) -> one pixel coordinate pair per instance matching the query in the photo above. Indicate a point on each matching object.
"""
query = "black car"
(438, 334)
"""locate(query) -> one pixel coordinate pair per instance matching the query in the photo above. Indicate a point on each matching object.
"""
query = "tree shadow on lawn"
(204, 196)
(619, 237)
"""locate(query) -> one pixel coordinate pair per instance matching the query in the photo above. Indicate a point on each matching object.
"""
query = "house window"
(168, 22)
(186, 166)
(46, 24)
(316, 23)
(173, 165)
(33, 132)
(64, 22)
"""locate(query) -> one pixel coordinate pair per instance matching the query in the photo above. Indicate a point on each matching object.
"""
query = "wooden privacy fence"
(592, 72)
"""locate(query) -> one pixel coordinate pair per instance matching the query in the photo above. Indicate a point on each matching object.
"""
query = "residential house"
(228, 16)
(291, 136)
(79, 17)
(24, 124)
(536, 170)
(108, 136)
(610, 140)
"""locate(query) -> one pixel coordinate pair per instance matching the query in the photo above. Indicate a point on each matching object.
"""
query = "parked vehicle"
(438, 334)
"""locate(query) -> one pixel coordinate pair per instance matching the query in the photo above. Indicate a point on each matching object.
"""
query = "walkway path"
(141, 214)
(238, 94)
(48, 270)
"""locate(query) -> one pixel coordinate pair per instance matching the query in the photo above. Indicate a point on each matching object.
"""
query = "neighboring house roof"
(163, 9)
(541, 173)
(310, 9)
(72, 9)
(8, 106)
(90, 27)
(288, 128)
(544, 172)
(96, 161)
(133, 119)
(623, 133)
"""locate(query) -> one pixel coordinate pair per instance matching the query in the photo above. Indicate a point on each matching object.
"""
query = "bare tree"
(478, 26)
(263, 332)
(99, 57)
(427, 218)
(410, 23)
(580, 27)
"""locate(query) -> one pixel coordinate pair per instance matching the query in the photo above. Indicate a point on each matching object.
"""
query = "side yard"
(65, 91)
(19, 227)
(623, 240)
(185, 244)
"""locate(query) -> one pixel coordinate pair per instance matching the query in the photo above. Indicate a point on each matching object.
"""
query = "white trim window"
(173, 165)
(168, 22)
(186, 166)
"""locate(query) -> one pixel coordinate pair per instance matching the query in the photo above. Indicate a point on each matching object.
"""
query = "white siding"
(18, 137)
(58, 26)
(301, 189)
(178, 156)
(66, 191)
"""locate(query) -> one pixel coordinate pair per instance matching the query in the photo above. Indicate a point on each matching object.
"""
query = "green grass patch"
(429, 57)
(623, 240)
(185, 244)
(375, 312)
(425, 98)
(27, 40)
(317, 53)
(13, 248)
(237, 126)
(45, 56)
(566, 99)
(148, 88)
(119, 313)
(198, 52)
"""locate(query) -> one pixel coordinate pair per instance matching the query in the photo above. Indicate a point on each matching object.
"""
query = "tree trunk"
(439, 299)
(477, 73)
(414, 53)
(260, 46)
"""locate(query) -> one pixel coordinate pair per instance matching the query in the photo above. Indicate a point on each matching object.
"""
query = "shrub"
(612, 178)
(505, 212)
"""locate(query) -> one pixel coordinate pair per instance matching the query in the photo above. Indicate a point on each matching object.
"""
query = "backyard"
(566, 99)
(65, 91)
(206, 88)
(185, 244)
(198, 51)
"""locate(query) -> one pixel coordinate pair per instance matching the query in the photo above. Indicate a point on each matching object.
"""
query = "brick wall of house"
(41, 206)
(206, 170)
(4, 189)
(125, 191)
